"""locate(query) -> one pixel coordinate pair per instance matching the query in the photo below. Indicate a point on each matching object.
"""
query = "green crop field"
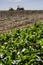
(22, 46)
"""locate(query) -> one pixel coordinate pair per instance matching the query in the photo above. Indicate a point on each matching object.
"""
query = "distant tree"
(11, 9)
(19, 8)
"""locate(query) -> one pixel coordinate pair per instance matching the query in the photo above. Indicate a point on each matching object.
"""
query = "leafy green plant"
(22, 46)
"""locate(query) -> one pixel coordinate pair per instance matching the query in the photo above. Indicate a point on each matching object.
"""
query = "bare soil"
(18, 19)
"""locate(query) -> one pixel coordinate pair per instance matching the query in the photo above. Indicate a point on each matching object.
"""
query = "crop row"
(22, 46)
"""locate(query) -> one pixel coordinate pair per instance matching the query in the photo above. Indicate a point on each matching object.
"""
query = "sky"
(27, 4)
